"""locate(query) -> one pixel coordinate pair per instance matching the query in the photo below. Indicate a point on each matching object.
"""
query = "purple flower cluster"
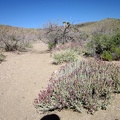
(78, 85)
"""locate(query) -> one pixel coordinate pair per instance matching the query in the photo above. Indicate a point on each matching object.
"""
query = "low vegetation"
(65, 56)
(68, 52)
(105, 27)
(105, 47)
(13, 43)
(78, 85)
(56, 34)
(102, 43)
(14, 38)
(81, 85)
(23, 33)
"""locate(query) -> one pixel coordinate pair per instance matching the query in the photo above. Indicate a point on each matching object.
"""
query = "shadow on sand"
(50, 117)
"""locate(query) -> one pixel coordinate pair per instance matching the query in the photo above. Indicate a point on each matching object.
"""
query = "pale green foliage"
(78, 85)
(68, 52)
(68, 55)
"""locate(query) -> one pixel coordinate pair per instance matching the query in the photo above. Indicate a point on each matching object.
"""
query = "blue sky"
(35, 13)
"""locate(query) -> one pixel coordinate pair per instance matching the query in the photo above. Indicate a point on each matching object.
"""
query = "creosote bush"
(78, 85)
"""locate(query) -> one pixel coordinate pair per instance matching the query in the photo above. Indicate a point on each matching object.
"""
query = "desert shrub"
(2, 57)
(106, 55)
(98, 44)
(78, 85)
(75, 46)
(11, 42)
(51, 45)
(26, 44)
(57, 34)
(115, 39)
(67, 52)
(107, 47)
(62, 56)
(117, 53)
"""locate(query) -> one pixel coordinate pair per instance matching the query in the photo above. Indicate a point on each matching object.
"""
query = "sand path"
(21, 78)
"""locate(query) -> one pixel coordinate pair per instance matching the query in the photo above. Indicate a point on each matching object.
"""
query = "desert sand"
(23, 75)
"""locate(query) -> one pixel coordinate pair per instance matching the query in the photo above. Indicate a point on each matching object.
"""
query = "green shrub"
(106, 55)
(65, 56)
(116, 52)
(107, 47)
(78, 85)
(67, 52)
(51, 45)
(115, 39)
(98, 44)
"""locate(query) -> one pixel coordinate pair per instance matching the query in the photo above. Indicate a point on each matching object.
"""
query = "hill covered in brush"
(87, 30)
(22, 33)
(106, 26)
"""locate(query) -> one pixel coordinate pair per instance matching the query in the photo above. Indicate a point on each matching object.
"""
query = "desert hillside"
(22, 33)
(106, 26)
